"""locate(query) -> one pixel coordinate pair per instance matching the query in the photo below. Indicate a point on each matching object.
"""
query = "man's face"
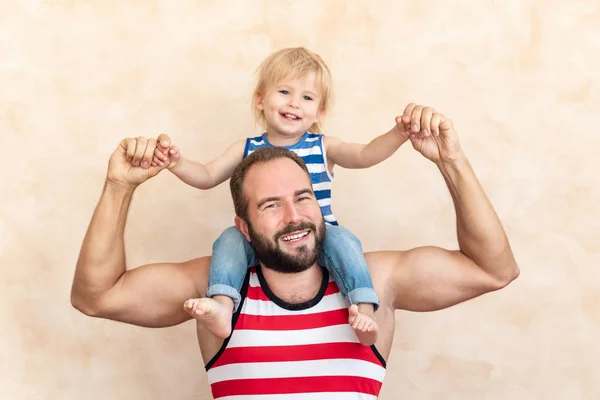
(286, 227)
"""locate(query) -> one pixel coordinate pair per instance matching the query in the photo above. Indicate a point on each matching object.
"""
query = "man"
(301, 350)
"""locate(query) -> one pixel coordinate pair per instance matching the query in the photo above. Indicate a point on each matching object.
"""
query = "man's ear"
(242, 227)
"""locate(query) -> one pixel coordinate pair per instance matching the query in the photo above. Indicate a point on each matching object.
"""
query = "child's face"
(292, 105)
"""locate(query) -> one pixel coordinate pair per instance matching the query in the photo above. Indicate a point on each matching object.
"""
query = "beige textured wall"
(519, 79)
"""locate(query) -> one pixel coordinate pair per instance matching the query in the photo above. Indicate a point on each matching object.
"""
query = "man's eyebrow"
(303, 191)
(275, 198)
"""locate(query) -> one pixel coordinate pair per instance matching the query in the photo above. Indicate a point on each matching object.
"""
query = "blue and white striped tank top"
(312, 150)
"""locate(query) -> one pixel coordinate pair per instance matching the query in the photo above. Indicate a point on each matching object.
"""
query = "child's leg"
(342, 255)
(231, 257)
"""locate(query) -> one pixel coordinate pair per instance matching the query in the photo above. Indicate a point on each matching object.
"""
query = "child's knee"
(339, 236)
(230, 237)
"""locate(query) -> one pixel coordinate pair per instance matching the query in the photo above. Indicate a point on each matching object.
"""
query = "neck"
(294, 288)
(277, 139)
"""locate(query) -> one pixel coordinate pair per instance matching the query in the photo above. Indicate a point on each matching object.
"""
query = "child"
(292, 95)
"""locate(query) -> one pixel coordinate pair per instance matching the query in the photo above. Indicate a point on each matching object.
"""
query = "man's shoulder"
(197, 269)
(384, 265)
(388, 272)
(199, 265)
(383, 260)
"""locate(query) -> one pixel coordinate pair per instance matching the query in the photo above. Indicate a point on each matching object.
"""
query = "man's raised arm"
(151, 295)
(430, 278)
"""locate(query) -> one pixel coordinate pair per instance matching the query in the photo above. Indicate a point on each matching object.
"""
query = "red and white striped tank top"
(303, 351)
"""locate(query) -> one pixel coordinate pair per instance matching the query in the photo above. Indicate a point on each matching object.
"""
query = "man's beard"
(273, 257)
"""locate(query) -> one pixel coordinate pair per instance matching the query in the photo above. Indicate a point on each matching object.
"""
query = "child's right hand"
(166, 152)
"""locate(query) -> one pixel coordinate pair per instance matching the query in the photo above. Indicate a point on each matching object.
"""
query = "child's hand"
(431, 133)
(165, 153)
(403, 128)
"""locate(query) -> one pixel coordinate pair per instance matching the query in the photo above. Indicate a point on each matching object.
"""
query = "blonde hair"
(292, 62)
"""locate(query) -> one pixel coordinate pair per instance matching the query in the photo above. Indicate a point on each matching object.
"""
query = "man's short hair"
(263, 155)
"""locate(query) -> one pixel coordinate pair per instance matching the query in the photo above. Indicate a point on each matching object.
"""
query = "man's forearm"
(481, 236)
(102, 257)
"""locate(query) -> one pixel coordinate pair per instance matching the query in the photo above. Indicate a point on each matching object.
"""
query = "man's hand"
(130, 164)
(430, 133)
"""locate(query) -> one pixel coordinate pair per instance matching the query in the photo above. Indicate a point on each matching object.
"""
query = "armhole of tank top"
(322, 144)
(246, 148)
(234, 320)
(378, 355)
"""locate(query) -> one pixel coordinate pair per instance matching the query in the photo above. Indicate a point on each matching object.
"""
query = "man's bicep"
(153, 295)
(432, 278)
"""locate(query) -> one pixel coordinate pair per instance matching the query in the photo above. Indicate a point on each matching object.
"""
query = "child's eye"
(284, 92)
(308, 98)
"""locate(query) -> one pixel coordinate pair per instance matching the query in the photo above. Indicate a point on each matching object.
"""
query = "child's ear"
(320, 112)
(242, 227)
(259, 101)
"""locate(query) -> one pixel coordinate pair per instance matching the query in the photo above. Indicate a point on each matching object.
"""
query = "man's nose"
(292, 216)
